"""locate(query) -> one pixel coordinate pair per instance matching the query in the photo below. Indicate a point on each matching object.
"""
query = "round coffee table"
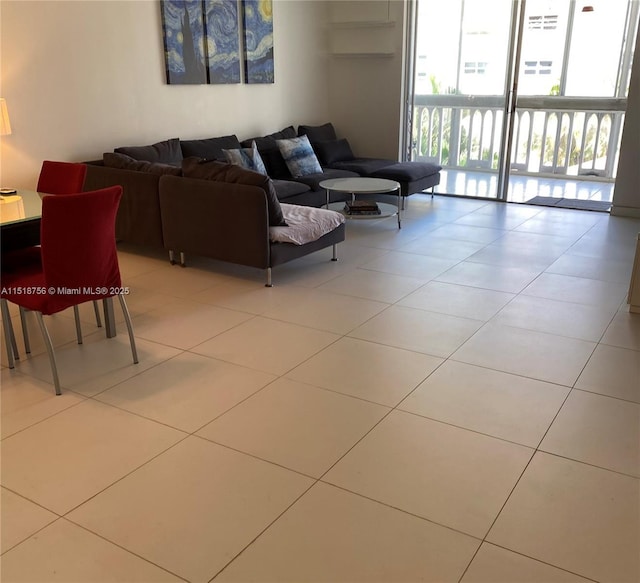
(358, 185)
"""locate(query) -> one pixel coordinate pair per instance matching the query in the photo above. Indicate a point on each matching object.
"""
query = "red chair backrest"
(79, 243)
(61, 177)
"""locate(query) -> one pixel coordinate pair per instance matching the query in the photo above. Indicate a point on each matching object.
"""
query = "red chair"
(79, 262)
(55, 178)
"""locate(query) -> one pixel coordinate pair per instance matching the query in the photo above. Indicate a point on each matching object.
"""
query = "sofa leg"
(268, 284)
(335, 252)
(183, 261)
(172, 258)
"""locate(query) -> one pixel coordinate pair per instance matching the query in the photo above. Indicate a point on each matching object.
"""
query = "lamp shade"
(5, 125)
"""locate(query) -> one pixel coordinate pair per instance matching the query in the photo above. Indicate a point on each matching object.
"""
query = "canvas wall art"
(184, 41)
(257, 18)
(222, 41)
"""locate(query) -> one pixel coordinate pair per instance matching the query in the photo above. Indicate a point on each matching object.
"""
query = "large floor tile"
(624, 331)
(577, 290)
(99, 363)
(192, 509)
(575, 517)
(19, 519)
(26, 400)
(597, 430)
(65, 552)
(421, 267)
(613, 271)
(556, 317)
(370, 371)
(73, 455)
(508, 256)
(537, 355)
(418, 330)
(495, 277)
(468, 233)
(332, 535)
(187, 391)
(372, 285)
(502, 405)
(326, 311)
(612, 371)
(267, 345)
(457, 300)
(296, 425)
(186, 324)
(173, 280)
(443, 247)
(494, 564)
(451, 476)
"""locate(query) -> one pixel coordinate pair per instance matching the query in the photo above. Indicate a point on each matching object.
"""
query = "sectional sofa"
(169, 202)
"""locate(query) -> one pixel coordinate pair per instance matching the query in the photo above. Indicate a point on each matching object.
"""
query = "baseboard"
(625, 211)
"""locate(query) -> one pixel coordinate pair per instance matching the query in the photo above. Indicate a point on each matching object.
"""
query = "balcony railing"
(553, 136)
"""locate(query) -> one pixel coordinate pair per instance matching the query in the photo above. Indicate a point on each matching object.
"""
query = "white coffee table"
(358, 185)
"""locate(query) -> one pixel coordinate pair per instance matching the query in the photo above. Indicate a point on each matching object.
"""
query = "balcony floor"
(524, 188)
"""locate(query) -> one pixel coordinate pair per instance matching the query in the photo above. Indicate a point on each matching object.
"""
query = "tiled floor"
(458, 401)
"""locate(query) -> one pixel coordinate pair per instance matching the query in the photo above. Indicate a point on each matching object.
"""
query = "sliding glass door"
(512, 88)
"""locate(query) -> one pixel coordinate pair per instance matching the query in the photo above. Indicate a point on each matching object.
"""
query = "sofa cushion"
(124, 162)
(288, 188)
(299, 156)
(333, 151)
(167, 152)
(314, 180)
(248, 158)
(407, 171)
(194, 167)
(363, 166)
(211, 148)
(324, 133)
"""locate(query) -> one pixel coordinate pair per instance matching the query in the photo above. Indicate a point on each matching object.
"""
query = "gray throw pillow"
(333, 151)
(248, 158)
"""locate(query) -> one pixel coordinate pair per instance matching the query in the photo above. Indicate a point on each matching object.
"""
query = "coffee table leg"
(399, 208)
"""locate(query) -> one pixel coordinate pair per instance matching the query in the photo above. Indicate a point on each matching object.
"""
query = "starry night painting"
(222, 40)
(183, 27)
(257, 17)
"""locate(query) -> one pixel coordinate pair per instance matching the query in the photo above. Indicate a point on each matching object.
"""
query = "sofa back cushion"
(211, 148)
(324, 133)
(167, 152)
(333, 151)
(124, 162)
(273, 160)
(222, 172)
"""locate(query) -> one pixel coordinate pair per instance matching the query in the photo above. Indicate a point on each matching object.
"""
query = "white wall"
(365, 92)
(626, 194)
(82, 77)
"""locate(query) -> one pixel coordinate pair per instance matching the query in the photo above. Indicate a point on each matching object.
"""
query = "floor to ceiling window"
(521, 99)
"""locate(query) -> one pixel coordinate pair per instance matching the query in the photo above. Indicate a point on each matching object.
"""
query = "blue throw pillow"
(248, 158)
(299, 156)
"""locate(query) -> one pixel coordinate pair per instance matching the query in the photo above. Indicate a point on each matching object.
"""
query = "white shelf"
(364, 24)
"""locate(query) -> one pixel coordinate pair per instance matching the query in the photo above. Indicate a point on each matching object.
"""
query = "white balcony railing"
(557, 136)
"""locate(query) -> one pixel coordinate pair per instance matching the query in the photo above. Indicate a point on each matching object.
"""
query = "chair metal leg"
(8, 328)
(127, 319)
(76, 316)
(14, 344)
(52, 356)
(25, 330)
(96, 310)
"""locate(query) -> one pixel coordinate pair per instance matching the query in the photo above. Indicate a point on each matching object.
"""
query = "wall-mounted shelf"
(364, 24)
(363, 55)
(362, 38)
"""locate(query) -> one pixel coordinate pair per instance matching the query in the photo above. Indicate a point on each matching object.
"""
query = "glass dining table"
(20, 215)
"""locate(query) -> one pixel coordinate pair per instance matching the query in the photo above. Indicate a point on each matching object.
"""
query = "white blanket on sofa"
(306, 224)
